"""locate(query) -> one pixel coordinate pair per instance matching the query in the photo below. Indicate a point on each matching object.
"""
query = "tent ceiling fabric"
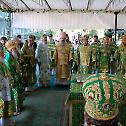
(65, 13)
(66, 5)
(67, 20)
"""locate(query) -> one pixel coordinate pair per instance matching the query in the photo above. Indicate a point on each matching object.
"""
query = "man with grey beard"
(7, 104)
(105, 55)
(62, 60)
(14, 52)
(43, 59)
(15, 70)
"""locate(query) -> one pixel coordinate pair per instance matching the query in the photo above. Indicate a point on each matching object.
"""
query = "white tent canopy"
(69, 14)
(68, 20)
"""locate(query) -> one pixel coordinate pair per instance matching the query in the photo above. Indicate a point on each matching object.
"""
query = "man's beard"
(63, 42)
(106, 44)
(14, 54)
(30, 45)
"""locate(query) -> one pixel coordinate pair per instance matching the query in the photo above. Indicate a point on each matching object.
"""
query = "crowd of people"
(100, 57)
(18, 62)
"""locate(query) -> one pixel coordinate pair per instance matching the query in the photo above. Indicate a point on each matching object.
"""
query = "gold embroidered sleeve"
(55, 56)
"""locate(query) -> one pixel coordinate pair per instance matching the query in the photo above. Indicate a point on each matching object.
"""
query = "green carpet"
(43, 107)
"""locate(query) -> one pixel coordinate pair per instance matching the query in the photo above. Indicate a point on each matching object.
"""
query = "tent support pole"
(8, 27)
(116, 19)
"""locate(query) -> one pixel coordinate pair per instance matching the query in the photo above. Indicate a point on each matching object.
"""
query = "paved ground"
(44, 107)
